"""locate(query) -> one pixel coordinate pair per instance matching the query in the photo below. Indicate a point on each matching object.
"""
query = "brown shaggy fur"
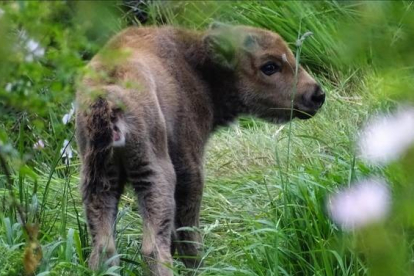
(146, 108)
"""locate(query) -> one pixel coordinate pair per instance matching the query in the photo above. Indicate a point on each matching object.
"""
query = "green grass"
(263, 209)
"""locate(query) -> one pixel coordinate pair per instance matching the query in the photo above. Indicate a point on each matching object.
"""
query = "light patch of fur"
(123, 130)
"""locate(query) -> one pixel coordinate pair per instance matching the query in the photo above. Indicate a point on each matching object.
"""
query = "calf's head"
(266, 77)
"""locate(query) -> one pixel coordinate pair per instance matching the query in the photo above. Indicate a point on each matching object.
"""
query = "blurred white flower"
(1, 13)
(39, 144)
(66, 118)
(66, 152)
(8, 87)
(363, 203)
(33, 47)
(35, 50)
(387, 137)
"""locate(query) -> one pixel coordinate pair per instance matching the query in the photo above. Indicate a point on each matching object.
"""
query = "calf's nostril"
(318, 96)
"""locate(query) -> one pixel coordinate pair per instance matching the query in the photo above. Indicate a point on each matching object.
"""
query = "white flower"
(32, 47)
(8, 87)
(66, 118)
(363, 203)
(39, 144)
(1, 13)
(35, 50)
(66, 152)
(386, 138)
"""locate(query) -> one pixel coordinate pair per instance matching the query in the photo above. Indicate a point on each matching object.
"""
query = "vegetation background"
(264, 208)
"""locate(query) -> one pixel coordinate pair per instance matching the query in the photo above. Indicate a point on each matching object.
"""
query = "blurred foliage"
(31, 85)
(44, 47)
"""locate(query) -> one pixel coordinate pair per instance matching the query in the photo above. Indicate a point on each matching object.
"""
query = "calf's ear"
(221, 43)
(221, 47)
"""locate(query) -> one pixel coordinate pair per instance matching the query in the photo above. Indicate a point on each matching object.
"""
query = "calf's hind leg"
(154, 182)
(100, 198)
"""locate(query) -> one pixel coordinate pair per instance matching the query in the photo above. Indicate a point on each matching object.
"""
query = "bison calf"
(146, 107)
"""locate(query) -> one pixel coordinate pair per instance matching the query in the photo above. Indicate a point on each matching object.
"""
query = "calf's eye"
(270, 68)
